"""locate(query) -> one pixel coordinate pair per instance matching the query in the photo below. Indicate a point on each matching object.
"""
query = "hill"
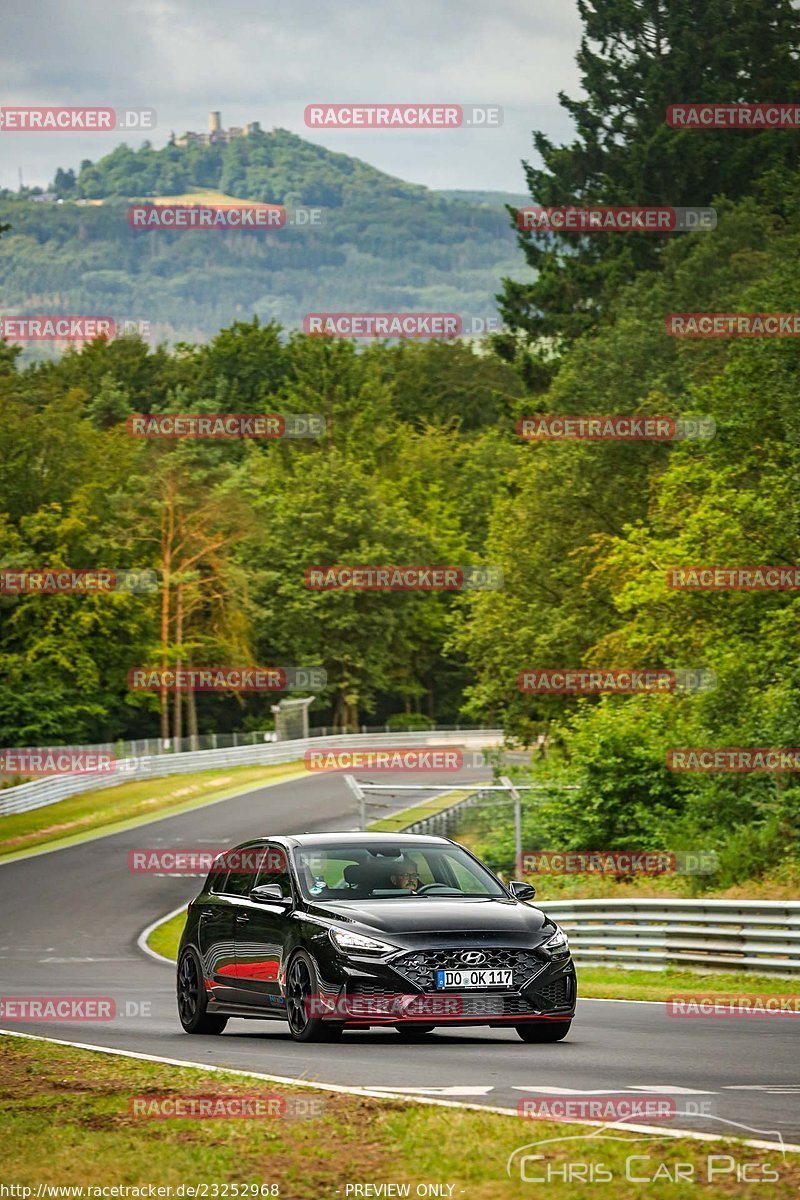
(385, 244)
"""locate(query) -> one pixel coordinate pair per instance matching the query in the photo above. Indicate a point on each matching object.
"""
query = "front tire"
(302, 985)
(546, 1031)
(193, 998)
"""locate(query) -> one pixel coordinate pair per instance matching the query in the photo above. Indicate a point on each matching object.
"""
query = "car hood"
(417, 915)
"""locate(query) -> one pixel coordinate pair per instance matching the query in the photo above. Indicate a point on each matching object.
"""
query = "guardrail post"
(515, 796)
(360, 796)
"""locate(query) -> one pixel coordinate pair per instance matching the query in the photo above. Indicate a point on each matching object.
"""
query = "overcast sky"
(265, 60)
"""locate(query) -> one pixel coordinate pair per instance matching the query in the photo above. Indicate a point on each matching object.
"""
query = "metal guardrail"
(747, 935)
(227, 741)
(761, 936)
(40, 792)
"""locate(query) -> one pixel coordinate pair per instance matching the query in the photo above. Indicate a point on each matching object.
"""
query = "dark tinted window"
(245, 865)
(274, 868)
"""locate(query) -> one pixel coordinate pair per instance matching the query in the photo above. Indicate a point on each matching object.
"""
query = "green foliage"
(406, 474)
(385, 245)
(636, 58)
(399, 722)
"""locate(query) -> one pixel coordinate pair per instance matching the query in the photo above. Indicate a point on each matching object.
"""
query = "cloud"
(256, 61)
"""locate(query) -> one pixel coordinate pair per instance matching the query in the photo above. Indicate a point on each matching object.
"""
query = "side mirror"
(522, 891)
(269, 893)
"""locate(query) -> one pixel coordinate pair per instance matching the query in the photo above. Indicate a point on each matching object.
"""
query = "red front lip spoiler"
(432, 1019)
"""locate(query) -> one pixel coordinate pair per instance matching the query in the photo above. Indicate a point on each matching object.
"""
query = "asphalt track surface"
(71, 919)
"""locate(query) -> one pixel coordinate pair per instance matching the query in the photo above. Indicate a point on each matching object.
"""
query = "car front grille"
(420, 966)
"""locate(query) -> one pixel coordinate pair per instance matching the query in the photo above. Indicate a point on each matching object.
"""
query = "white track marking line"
(141, 941)
(377, 1095)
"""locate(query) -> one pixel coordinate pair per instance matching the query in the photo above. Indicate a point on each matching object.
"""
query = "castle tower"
(214, 122)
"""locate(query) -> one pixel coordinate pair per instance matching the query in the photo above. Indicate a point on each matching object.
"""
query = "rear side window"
(216, 881)
(243, 866)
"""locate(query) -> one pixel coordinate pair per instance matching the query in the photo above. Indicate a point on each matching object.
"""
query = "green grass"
(166, 937)
(614, 983)
(128, 804)
(65, 1119)
(399, 821)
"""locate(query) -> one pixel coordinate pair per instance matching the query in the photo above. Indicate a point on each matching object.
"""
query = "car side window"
(274, 868)
(216, 881)
(244, 865)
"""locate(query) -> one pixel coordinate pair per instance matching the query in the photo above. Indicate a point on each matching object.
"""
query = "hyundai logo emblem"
(473, 957)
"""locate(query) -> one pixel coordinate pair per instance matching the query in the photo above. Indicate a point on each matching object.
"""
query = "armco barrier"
(746, 935)
(40, 792)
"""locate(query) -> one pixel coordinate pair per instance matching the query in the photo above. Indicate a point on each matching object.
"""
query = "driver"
(405, 875)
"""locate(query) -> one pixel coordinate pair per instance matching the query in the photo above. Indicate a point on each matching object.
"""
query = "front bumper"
(361, 992)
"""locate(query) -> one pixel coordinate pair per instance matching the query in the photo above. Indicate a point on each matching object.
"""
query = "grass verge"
(66, 1119)
(399, 821)
(128, 804)
(165, 938)
(611, 983)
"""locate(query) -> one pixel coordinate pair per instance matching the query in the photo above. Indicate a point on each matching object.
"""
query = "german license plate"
(483, 977)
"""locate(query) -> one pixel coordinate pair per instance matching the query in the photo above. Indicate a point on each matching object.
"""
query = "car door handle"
(242, 918)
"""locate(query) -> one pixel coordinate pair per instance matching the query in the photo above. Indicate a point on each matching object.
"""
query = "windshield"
(353, 872)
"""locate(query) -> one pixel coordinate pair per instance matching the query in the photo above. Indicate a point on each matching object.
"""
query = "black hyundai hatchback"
(336, 931)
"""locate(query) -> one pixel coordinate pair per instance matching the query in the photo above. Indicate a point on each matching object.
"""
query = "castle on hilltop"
(216, 133)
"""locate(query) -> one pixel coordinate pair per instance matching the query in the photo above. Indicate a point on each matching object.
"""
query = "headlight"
(556, 946)
(357, 943)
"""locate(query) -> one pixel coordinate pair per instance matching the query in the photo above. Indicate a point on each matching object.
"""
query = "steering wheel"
(433, 887)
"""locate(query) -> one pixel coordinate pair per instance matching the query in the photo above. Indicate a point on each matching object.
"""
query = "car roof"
(352, 838)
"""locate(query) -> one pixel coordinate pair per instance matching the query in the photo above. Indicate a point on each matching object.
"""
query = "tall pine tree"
(637, 57)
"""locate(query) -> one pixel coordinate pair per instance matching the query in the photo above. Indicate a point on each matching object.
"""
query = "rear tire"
(193, 998)
(414, 1033)
(546, 1031)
